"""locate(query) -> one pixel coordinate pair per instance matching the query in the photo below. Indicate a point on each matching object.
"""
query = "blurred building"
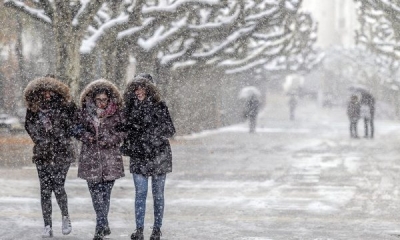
(337, 21)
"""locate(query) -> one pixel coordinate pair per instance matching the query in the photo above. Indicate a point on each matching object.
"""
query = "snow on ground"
(291, 180)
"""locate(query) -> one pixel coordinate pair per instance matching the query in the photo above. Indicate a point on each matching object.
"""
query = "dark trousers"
(292, 113)
(101, 195)
(353, 129)
(253, 122)
(369, 122)
(52, 179)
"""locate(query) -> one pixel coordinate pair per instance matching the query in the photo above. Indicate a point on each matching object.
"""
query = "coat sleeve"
(32, 128)
(165, 127)
(81, 131)
(73, 127)
(127, 123)
(113, 137)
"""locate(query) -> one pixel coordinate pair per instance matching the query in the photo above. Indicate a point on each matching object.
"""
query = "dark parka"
(252, 106)
(369, 100)
(354, 109)
(100, 160)
(52, 144)
(148, 125)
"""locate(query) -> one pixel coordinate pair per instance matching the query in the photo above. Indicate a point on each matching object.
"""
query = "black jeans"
(370, 122)
(353, 129)
(52, 179)
(101, 194)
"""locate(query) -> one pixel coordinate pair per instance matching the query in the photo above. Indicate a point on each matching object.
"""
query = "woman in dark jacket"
(148, 125)
(251, 112)
(353, 112)
(49, 120)
(100, 161)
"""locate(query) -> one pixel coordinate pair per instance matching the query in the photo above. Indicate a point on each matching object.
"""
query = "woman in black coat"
(50, 118)
(148, 125)
(353, 112)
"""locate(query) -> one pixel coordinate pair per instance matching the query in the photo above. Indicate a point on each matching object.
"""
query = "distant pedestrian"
(292, 106)
(368, 111)
(353, 112)
(251, 111)
(49, 119)
(148, 126)
(100, 161)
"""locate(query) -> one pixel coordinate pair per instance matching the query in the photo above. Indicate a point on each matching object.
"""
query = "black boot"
(138, 234)
(99, 234)
(156, 234)
(107, 231)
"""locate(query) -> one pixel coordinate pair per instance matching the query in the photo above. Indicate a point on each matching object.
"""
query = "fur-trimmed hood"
(152, 90)
(35, 87)
(100, 84)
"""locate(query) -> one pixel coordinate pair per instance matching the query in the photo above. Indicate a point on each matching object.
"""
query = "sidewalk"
(291, 180)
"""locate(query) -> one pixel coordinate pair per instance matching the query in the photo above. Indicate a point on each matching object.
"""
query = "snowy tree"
(380, 31)
(233, 35)
(69, 20)
(243, 35)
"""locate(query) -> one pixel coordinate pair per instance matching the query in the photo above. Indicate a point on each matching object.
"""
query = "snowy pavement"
(291, 180)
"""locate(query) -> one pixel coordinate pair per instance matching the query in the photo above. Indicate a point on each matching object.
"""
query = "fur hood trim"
(36, 86)
(101, 84)
(132, 85)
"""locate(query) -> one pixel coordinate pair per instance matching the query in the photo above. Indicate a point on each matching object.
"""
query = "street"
(304, 179)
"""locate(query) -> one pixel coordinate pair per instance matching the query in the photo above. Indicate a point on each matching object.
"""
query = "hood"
(100, 84)
(36, 86)
(152, 90)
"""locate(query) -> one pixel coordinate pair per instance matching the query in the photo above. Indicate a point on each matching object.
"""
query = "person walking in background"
(49, 119)
(353, 112)
(148, 125)
(368, 111)
(292, 106)
(251, 111)
(100, 161)
(365, 114)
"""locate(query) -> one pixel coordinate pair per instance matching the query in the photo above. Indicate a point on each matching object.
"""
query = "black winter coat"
(353, 110)
(148, 126)
(369, 100)
(54, 145)
(252, 106)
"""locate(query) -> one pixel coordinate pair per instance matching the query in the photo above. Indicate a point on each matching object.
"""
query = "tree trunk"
(68, 61)
(67, 41)
(146, 62)
(88, 70)
(20, 76)
(121, 64)
(108, 52)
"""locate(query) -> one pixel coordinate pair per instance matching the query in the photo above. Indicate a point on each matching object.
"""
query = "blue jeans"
(101, 194)
(157, 188)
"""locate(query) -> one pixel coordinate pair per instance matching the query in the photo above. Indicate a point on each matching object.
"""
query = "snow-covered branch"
(38, 14)
(87, 11)
(89, 43)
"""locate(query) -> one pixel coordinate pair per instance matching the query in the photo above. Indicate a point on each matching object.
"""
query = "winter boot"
(99, 234)
(66, 225)
(138, 234)
(156, 234)
(107, 231)
(47, 232)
